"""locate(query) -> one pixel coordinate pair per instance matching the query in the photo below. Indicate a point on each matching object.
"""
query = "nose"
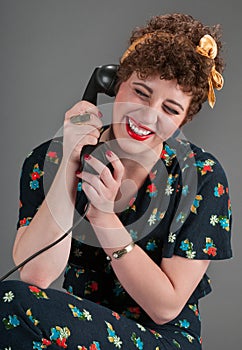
(149, 116)
(155, 104)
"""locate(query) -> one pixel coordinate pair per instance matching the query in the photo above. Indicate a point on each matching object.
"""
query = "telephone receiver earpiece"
(103, 80)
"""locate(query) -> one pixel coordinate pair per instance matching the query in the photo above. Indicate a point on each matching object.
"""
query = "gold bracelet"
(119, 253)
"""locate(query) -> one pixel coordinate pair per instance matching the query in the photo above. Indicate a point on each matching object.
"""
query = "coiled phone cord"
(47, 247)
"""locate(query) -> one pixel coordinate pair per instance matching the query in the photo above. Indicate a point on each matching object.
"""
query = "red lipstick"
(134, 135)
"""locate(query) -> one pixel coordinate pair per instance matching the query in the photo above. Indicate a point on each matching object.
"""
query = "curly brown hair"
(171, 53)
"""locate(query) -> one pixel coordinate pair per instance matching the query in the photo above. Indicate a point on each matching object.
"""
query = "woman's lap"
(31, 318)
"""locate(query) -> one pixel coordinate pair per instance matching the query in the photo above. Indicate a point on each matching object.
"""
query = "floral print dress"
(183, 208)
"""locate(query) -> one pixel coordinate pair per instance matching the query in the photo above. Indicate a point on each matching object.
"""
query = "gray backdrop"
(48, 51)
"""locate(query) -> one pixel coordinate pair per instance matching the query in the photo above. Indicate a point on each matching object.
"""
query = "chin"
(129, 143)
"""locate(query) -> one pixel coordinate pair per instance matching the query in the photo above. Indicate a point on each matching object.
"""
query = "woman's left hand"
(101, 189)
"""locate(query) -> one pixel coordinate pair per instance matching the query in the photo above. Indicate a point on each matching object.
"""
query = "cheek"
(119, 110)
(166, 127)
(122, 92)
(122, 96)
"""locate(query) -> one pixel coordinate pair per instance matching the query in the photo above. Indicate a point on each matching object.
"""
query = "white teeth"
(137, 130)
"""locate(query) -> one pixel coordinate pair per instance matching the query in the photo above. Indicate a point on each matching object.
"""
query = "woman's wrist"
(102, 219)
(121, 252)
(110, 232)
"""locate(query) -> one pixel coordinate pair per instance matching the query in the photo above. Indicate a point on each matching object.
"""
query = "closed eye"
(141, 93)
(170, 110)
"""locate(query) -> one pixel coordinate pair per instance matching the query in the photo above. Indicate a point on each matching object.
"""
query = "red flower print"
(93, 347)
(61, 343)
(35, 175)
(220, 189)
(52, 157)
(229, 203)
(34, 289)
(135, 310)
(131, 202)
(207, 168)
(178, 188)
(212, 251)
(210, 247)
(163, 154)
(152, 188)
(191, 154)
(152, 175)
(116, 315)
(52, 154)
(23, 222)
(94, 286)
(46, 342)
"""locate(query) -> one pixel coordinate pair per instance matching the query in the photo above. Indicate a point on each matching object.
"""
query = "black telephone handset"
(103, 80)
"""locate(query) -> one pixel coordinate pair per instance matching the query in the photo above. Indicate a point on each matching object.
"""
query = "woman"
(155, 215)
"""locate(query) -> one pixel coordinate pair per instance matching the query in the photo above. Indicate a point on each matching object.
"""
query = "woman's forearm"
(55, 215)
(146, 283)
(162, 291)
(53, 218)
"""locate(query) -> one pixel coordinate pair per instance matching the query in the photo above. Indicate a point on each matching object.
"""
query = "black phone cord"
(45, 248)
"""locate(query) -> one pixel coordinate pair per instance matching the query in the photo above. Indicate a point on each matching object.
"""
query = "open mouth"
(136, 131)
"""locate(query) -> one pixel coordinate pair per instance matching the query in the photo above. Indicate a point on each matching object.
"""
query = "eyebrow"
(151, 91)
(176, 103)
(144, 86)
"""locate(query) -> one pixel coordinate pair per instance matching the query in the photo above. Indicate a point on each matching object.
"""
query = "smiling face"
(147, 112)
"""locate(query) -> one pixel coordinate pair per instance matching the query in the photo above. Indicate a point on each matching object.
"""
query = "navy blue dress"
(183, 208)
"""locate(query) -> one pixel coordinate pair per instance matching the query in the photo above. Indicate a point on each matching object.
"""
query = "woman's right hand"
(78, 135)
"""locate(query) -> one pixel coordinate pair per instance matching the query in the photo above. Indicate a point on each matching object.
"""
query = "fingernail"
(100, 115)
(109, 153)
(78, 172)
(86, 157)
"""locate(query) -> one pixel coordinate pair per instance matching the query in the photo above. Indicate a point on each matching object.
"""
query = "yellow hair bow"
(207, 47)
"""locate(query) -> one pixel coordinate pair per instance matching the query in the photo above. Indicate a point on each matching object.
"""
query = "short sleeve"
(206, 232)
(37, 173)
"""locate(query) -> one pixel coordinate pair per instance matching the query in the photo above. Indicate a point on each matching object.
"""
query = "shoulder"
(206, 163)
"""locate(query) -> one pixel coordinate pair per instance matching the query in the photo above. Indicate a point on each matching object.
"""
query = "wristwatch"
(119, 253)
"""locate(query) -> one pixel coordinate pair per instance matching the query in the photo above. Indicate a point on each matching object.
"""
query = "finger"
(84, 130)
(83, 107)
(94, 198)
(86, 119)
(75, 121)
(103, 171)
(93, 180)
(118, 168)
(80, 118)
(81, 134)
(90, 192)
